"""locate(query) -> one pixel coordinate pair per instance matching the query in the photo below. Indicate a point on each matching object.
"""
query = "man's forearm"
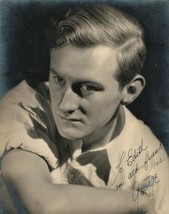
(30, 177)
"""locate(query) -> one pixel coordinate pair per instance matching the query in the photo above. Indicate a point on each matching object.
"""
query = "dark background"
(23, 53)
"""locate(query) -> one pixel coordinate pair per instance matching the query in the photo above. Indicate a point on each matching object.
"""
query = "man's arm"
(29, 176)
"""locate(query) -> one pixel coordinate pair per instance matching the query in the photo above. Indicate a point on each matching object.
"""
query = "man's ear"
(132, 90)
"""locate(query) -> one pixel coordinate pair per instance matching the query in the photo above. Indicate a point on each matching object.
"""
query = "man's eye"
(88, 88)
(59, 80)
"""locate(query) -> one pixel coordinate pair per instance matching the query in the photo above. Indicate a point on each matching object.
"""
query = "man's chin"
(70, 135)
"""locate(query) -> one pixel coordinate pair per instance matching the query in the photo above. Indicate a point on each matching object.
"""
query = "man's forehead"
(93, 59)
(96, 51)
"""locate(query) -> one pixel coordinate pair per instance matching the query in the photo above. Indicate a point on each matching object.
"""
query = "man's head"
(107, 26)
(96, 57)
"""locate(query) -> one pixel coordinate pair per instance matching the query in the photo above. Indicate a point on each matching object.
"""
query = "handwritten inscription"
(133, 161)
(119, 167)
(134, 171)
(150, 156)
(133, 154)
(141, 189)
(149, 183)
(118, 186)
(154, 163)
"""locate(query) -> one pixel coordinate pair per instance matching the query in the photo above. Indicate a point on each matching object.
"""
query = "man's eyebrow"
(53, 71)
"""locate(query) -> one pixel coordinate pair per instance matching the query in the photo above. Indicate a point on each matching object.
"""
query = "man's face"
(84, 92)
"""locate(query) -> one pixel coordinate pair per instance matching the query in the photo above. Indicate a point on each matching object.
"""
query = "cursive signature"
(141, 189)
(133, 154)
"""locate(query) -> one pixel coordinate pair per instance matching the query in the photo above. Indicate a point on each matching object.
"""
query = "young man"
(83, 134)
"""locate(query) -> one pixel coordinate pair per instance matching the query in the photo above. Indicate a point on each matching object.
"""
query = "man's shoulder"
(139, 160)
(22, 100)
(24, 108)
(135, 136)
(26, 93)
(136, 129)
(141, 145)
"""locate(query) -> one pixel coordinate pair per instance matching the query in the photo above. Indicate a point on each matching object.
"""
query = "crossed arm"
(29, 175)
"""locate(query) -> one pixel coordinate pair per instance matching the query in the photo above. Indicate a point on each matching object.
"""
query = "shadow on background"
(25, 55)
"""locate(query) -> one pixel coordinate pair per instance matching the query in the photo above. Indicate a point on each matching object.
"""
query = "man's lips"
(70, 119)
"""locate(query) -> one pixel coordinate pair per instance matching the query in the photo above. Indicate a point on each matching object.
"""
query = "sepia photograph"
(84, 107)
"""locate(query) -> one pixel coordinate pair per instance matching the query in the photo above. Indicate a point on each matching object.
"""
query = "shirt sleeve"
(27, 123)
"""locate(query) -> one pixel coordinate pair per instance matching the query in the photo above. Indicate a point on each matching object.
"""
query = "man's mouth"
(69, 119)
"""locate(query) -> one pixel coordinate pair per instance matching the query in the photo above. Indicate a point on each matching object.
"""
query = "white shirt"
(134, 160)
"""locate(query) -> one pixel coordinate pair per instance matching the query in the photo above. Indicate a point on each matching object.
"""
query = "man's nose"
(69, 101)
